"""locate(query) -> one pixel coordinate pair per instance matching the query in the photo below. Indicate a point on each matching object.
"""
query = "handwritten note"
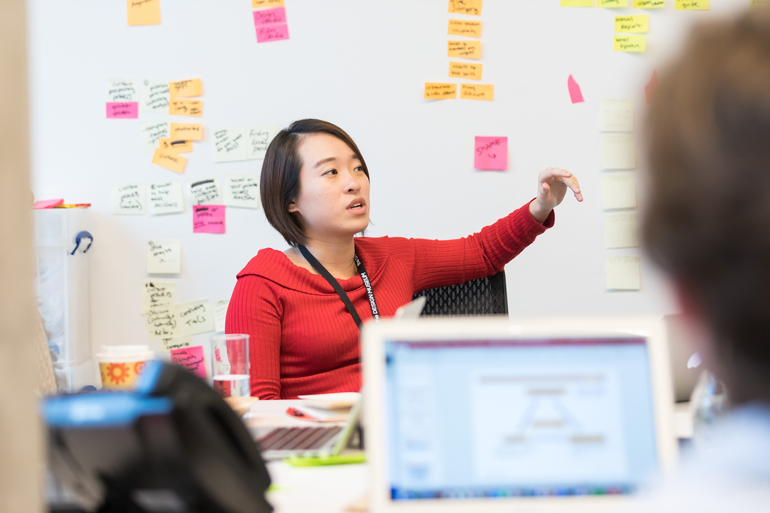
(121, 90)
(186, 131)
(128, 198)
(195, 317)
(623, 273)
(209, 219)
(577, 3)
(692, 5)
(155, 293)
(472, 7)
(162, 322)
(618, 151)
(122, 110)
(464, 28)
(258, 138)
(166, 197)
(465, 70)
(229, 145)
(186, 88)
(616, 115)
(491, 153)
(164, 257)
(257, 4)
(170, 160)
(639, 23)
(143, 12)
(618, 191)
(464, 49)
(633, 44)
(152, 132)
(649, 4)
(186, 108)
(612, 4)
(155, 96)
(220, 310)
(436, 91)
(575, 94)
(242, 190)
(176, 342)
(477, 92)
(205, 191)
(191, 358)
(275, 32)
(177, 146)
(621, 230)
(270, 16)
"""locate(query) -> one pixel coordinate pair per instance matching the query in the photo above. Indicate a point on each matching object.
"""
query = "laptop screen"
(519, 418)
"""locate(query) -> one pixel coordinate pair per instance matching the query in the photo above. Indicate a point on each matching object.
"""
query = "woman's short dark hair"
(279, 182)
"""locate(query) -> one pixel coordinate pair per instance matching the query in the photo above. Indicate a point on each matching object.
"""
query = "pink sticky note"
(491, 153)
(276, 32)
(209, 219)
(270, 16)
(574, 90)
(122, 110)
(191, 358)
(38, 205)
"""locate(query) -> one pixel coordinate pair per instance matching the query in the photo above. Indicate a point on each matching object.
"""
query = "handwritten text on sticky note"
(491, 153)
(177, 146)
(123, 90)
(143, 12)
(270, 16)
(242, 190)
(477, 92)
(151, 132)
(472, 7)
(621, 230)
(185, 108)
(170, 160)
(258, 4)
(649, 4)
(612, 4)
(464, 28)
(155, 96)
(122, 110)
(186, 88)
(164, 256)
(191, 358)
(618, 151)
(155, 293)
(205, 191)
(637, 24)
(617, 115)
(196, 317)
(618, 191)
(209, 219)
(187, 131)
(634, 44)
(274, 32)
(436, 91)
(466, 70)
(166, 197)
(692, 5)
(464, 49)
(128, 198)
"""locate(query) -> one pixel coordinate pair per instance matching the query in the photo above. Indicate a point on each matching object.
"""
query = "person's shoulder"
(267, 263)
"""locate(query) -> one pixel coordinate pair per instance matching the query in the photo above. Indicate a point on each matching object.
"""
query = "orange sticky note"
(169, 159)
(185, 88)
(175, 145)
(143, 12)
(434, 91)
(465, 7)
(468, 70)
(185, 108)
(186, 131)
(477, 92)
(465, 49)
(464, 28)
(256, 4)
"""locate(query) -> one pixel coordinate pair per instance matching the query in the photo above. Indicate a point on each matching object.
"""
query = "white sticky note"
(156, 293)
(155, 96)
(220, 309)
(617, 115)
(128, 198)
(618, 191)
(204, 191)
(621, 230)
(258, 138)
(623, 273)
(242, 190)
(170, 343)
(164, 256)
(151, 131)
(229, 145)
(165, 197)
(195, 317)
(618, 151)
(123, 89)
(162, 322)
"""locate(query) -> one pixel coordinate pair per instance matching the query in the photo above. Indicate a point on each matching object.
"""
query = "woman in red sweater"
(315, 192)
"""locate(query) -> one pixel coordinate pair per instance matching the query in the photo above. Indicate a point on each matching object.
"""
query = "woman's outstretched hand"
(552, 184)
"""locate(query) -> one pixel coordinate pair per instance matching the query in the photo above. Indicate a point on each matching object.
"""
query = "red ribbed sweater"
(302, 338)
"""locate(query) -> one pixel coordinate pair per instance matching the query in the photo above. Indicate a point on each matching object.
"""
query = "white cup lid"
(129, 353)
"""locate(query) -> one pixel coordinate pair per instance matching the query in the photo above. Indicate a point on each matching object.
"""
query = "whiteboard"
(361, 64)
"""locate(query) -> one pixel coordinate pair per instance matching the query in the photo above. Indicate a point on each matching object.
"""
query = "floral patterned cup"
(120, 365)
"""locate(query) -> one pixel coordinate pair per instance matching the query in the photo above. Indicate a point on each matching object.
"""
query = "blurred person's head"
(707, 221)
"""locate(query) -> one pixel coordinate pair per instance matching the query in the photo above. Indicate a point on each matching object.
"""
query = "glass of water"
(230, 365)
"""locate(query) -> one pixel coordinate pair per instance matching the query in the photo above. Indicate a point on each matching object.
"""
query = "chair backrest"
(484, 296)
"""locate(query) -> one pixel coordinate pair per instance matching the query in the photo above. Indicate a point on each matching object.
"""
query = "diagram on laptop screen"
(547, 425)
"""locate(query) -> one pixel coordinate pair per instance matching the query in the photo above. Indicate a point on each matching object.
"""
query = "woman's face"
(333, 200)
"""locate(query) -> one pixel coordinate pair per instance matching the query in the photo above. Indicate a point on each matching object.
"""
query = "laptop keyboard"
(298, 438)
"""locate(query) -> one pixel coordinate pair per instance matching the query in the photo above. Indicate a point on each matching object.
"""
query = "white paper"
(128, 198)
(195, 317)
(242, 190)
(151, 132)
(204, 191)
(164, 256)
(621, 231)
(623, 273)
(123, 90)
(230, 145)
(156, 293)
(162, 322)
(155, 96)
(258, 138)
(220, 308)
(618, 151)
(618, 191)
(617, 115)
(166, 197)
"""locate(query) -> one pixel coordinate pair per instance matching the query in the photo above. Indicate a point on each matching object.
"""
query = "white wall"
(361, 64)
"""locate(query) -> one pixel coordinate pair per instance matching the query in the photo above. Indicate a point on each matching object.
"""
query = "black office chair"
(484, 296)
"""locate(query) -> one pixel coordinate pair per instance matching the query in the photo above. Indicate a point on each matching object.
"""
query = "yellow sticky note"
(477, 92)
(756, 3)
(612, 4)
(143, 12)
(649, 4)
(185, 108)
(577, 3)
(635, 24)
(618, 191)
(169, 159)
(185, 88)
(472, 7)
(436, 91)
(465, 70)
(465, 49)
(630, 43)
(186, 131)
(177, 146)
(464, 28)
(623, 273)
(692, 5)
(256, 4)
(621, 230)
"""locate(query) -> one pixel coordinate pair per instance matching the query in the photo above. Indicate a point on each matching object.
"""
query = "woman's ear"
(293, 207)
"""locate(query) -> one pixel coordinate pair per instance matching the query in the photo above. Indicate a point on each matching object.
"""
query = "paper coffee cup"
(120, 365)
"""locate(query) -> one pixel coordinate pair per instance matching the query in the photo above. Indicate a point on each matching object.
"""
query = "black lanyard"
(334, 283)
